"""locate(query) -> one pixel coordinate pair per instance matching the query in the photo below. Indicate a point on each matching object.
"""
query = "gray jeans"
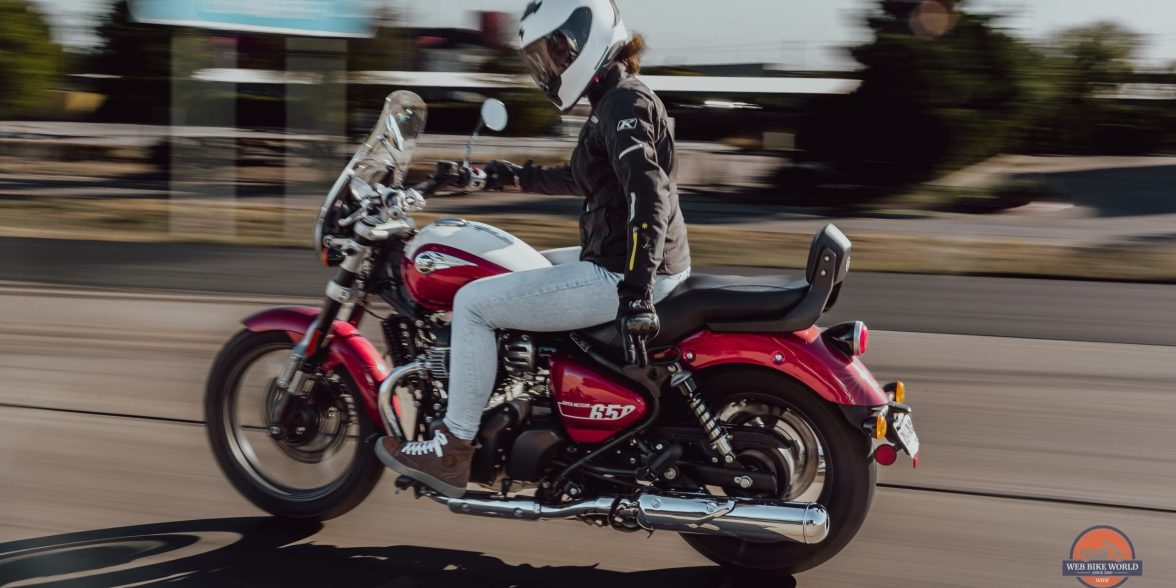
(563, 297)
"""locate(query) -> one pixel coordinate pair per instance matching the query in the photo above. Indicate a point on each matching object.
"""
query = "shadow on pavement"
(269, 552)
(1116, 192)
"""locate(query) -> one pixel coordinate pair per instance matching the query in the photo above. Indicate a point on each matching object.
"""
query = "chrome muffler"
(747, 520)
(527, 509)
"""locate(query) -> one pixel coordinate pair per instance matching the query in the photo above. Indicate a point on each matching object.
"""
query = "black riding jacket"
(623, 165)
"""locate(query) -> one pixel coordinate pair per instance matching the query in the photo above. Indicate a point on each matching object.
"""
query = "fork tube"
(339, 292)
(293, 374)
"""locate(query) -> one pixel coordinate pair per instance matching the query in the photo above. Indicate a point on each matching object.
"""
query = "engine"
(518, 422)
(518, 354)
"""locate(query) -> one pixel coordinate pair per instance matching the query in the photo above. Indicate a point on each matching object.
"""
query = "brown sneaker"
(441, 463)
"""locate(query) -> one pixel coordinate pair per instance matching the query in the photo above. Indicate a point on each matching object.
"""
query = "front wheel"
(322, 467)
(827, 461)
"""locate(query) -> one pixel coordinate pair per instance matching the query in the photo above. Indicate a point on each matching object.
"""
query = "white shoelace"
(433, 445)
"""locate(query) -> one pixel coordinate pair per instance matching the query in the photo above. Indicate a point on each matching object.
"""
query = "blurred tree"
(141, 56)
(1098, 53)
(30, 62)
(1085, 64)
(389, 49)
(941, 88)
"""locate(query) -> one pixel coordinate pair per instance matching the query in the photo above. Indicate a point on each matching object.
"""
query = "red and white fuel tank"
(452, 252)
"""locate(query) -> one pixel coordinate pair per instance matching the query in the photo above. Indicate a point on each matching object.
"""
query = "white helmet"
(567, 42)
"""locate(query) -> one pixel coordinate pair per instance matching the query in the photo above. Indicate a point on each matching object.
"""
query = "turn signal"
(899, 393)
(879, 427)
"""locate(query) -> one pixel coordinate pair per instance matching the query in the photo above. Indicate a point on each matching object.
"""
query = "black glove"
(501, 174)
(638, 323)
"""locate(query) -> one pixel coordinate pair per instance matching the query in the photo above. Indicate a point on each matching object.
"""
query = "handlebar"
(464, 178)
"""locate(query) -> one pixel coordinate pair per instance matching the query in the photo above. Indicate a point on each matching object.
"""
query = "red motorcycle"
(741, 425)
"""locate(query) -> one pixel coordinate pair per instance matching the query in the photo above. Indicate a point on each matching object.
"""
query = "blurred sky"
(797, 34)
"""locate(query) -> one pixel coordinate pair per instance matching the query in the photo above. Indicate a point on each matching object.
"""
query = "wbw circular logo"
(1102, 557)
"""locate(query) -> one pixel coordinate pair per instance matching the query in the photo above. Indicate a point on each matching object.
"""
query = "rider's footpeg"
(404, 483)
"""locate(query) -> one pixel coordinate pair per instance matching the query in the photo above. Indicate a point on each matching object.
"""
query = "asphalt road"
(106, 477)
(1002, 307)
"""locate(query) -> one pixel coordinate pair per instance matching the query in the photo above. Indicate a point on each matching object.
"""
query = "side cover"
(592, 406)
(348, 347)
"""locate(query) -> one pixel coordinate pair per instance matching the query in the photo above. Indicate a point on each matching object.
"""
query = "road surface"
(1002, 307)
(106, 477)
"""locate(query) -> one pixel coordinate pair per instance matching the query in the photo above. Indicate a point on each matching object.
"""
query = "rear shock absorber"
(683, 382)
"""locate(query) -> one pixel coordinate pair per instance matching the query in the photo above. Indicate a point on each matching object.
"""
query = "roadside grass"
(268, 223)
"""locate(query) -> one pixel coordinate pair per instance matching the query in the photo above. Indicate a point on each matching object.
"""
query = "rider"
(632, 234)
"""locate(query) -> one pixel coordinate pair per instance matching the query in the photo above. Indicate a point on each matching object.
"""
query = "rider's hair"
(630, 54)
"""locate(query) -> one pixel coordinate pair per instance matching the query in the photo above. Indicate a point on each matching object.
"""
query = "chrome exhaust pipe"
(748, 520)
(387, 388)
(527, 509)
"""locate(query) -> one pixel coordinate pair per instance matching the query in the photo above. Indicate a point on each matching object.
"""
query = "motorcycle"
(741, 426)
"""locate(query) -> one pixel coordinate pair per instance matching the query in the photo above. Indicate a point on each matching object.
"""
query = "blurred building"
(463, 50)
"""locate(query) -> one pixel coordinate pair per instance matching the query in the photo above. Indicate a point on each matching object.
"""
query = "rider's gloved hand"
(501, 174)
(637, 320)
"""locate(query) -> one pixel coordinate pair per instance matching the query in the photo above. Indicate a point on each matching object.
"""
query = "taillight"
(850, 338)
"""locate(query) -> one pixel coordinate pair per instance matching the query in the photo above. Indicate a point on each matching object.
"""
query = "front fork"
(308, 353)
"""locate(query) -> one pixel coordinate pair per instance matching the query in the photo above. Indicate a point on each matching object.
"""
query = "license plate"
(905, 428)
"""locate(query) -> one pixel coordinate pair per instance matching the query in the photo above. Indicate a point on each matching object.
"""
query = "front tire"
(283, 477)
(848, 482)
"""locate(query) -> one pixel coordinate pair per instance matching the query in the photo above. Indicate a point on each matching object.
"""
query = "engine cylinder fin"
(437, 362)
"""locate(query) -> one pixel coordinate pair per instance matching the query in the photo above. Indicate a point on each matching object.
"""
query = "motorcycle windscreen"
(389, 148)
(384, 157)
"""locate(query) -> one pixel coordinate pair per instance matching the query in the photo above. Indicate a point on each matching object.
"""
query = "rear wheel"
(324, 465)
(825, 458)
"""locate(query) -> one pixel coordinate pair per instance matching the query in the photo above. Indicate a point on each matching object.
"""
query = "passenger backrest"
(832, 240)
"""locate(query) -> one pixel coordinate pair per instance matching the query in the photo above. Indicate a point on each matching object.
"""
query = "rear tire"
(848, 484)
(333, 499)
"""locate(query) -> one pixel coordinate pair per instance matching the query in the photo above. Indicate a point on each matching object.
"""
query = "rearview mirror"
(494, 115)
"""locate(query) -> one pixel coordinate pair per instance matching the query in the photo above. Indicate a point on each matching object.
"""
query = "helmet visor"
(548, 58)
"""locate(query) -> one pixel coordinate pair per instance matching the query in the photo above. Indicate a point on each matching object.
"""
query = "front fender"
(348, 347)
(803, 355)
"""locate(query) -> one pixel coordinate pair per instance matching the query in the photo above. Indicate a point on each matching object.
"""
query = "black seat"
(703, 299)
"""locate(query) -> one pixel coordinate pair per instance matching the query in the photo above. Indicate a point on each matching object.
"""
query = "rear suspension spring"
(683, 381)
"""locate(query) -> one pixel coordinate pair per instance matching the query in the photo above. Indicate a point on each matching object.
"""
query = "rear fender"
(348, 348)
(804, 356)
